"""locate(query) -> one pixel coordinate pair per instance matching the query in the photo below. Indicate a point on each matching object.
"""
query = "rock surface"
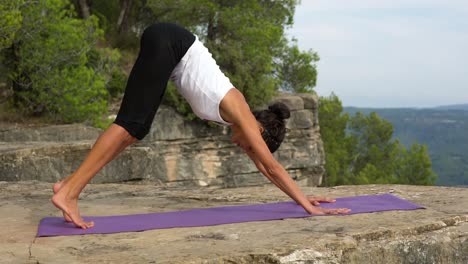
(438, 234)
(177, 151)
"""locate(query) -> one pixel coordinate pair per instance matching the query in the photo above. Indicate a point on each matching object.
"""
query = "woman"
(170, 52)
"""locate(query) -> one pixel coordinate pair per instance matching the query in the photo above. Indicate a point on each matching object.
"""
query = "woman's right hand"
(323, 211)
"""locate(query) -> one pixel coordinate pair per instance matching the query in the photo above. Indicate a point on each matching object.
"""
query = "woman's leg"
(107, 147)
(162, 47)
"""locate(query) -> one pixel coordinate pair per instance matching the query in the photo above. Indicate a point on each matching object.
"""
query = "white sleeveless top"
(200, 81)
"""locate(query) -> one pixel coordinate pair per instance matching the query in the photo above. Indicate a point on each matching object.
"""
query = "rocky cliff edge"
(437, 234)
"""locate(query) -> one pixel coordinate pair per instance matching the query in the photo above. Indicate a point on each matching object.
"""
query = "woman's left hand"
(317, 200)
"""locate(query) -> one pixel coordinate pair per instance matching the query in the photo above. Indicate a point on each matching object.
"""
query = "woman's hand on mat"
(317, 200)
(324, 211)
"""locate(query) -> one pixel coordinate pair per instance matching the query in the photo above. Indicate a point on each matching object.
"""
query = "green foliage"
(107, 12)
(443, 131)
(374, 145)
(51, 53)
(338, 146)
(54, 67)
(105, 61)
(361, 150)
(297, 70)
(10, 21)
(245, 53)
(117, 82)
(415, 166)
(174, 98)
(245, 37)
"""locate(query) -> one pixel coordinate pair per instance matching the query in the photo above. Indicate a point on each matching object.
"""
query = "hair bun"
(280, 109)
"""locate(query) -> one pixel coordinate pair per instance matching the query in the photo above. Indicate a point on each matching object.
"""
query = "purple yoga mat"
(56, 226)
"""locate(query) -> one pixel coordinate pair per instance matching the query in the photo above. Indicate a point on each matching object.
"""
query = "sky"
(387, 53)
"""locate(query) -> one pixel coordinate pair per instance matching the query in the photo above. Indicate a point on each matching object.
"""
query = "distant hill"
(463, 107)
(443, 129)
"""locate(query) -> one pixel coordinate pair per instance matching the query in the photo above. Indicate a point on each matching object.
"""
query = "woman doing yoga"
(169, 52)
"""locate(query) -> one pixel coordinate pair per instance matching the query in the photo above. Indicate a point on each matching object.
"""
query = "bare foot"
(69, 208)
(56, 188)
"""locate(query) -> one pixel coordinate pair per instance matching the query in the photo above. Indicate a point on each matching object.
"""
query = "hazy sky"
(388, 53)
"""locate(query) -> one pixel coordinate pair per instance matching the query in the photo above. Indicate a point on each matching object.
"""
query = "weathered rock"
(57, 133)
(177, 152)
(437, 234)
(310, 100)
(293, 102)
(301, 119)
(169, 125)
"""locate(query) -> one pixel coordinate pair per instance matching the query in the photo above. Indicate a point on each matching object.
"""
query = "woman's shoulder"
(234, 108)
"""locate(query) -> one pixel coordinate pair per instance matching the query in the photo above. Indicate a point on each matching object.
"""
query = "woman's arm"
(314, 200)
(283, 181)
(276, 173)
(235, 110)
(263, 171)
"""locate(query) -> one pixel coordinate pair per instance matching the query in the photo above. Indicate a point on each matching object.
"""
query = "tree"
(374, 146)
(415, 166)
(125, 20)
(337, 144)
(361, 150)
(296, 69)
(125, 9)
(245, 53)
(10, 21)
(82, 7)
(245, 37)
(54, 66)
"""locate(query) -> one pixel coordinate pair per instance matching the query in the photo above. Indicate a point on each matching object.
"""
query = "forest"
(66, 59)
(442, 129)
(360, 148)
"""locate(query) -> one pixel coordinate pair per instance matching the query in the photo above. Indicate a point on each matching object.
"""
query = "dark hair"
(273, 123)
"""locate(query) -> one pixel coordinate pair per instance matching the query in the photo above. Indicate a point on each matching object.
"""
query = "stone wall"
(176, 152)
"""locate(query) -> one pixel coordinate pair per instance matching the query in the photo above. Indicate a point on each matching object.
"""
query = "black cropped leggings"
(162, 47)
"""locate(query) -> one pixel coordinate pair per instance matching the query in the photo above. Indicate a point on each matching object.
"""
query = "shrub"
(54, 67)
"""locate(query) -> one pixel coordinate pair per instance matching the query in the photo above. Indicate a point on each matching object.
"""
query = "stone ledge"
(211, 161)
(438, 234)
(58, 133)
(177, 151)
